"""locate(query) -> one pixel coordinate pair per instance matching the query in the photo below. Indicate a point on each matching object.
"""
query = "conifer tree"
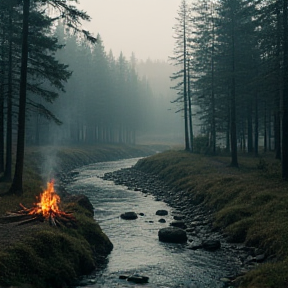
(180, 60)
(72, 16)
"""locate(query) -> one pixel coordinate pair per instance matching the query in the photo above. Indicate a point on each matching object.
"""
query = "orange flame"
(49, 201)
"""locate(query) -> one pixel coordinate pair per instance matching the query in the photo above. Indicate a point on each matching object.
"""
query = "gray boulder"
(172, 235)
(129, 216)
(161, 212)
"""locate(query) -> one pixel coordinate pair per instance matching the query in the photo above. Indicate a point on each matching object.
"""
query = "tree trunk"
(17, 187)
(284, 149)
(185, 86)
(256, 133)
(228, 128)
(8, 166)
(249, 128)
(278, 96)
(190, 110)
(2, 71)
(234, 158)
(265, 128)
(213, 122)
(269, 130)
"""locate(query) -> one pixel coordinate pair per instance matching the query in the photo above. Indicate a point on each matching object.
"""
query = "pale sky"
(140, 26)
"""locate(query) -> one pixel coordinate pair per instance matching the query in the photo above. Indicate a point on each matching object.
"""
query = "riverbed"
(137, 249)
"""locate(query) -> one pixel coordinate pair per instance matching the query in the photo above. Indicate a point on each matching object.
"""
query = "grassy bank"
(46, 256)
(250, 203)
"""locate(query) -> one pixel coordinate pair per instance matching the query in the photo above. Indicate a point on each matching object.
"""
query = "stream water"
(136, 245)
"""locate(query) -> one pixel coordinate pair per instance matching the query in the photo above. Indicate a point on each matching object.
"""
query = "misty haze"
(143, 143)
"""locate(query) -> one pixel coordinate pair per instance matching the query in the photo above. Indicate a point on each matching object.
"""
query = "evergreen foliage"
(239, 73)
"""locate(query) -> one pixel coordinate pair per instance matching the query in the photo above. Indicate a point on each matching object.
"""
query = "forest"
(229, 75)
(77, 93)
(232, 58)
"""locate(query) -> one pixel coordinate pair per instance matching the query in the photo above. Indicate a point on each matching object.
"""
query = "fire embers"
(47, 209)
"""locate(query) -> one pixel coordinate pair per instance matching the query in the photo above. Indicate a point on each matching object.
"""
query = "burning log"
(46, 209)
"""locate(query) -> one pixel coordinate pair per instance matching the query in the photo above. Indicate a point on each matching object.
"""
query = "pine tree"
(180, 59)
(72, 16)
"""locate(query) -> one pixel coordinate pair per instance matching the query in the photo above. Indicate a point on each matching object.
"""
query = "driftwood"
(26, 215)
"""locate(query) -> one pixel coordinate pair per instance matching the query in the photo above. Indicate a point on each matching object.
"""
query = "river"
(136, 245)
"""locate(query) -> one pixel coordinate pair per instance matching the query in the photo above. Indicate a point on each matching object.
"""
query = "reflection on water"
(136, 246)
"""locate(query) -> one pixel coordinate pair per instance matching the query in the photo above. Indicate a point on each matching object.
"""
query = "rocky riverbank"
(190, 216)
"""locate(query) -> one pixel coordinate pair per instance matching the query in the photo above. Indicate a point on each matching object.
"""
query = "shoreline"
(82, 242)
(195, 218)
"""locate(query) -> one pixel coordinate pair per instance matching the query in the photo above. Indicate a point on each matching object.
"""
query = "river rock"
(178, 217)
(129, 216)
(172, 235)
(136, 278)
(179, 224)
(195, 246)
(161, 212)
(211, 244)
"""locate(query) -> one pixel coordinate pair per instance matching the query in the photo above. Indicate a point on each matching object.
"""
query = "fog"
(142, 27)
(119, 91)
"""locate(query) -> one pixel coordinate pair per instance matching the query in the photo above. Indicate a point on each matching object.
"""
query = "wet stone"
(211, 245)
(172, 235)
(123, 277)
(136, 278)
(129, 216)
(195, 246)
(161, 212)
(179, 224)
(195, 223)
(178, 217)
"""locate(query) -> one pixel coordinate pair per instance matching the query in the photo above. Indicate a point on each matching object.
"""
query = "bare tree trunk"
(234, 158)
(278, 96)
(256, 130)
(2, 72)
(228, 128)
(185, 85)
(284, 149)
(213, 122)
(8, 166)
(190, 110)
(249, 128)
(17, 187)
(265, 127)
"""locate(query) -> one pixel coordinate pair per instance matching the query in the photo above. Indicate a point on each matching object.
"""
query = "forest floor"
(250, 203)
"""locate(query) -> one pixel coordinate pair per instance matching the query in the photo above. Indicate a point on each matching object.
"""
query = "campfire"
(46, 209)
